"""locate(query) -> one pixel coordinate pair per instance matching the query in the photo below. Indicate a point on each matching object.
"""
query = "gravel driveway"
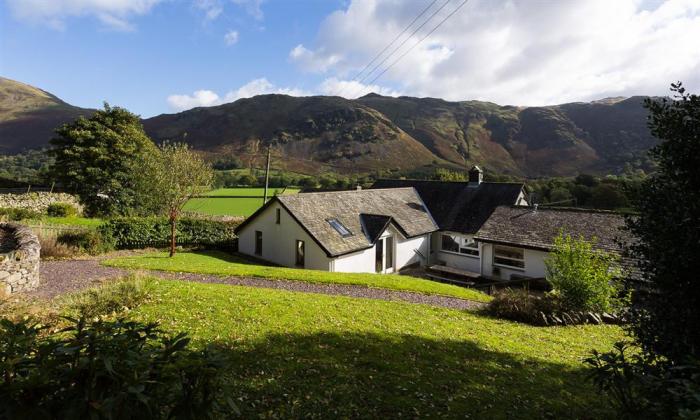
(59, 277)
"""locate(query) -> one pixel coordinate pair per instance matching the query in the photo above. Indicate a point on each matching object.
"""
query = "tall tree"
(94, 158)
(666, 320)
(173, 176)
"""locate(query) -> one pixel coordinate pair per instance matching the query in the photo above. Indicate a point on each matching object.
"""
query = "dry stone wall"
(38, 201)
(19, 258)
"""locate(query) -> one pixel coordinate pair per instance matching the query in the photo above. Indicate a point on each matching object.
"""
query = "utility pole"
(267, 175)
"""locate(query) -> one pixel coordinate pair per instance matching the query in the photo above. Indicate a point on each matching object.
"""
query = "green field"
(299, 355)
(223, 264)
(246, 201)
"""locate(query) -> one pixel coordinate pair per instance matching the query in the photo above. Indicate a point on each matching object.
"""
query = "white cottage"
(378, 230)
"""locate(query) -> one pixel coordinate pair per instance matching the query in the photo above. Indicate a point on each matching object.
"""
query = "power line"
(390, 44)
(419, 41)
(403, 42)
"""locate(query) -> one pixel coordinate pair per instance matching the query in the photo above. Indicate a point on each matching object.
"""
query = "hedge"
(137, 232)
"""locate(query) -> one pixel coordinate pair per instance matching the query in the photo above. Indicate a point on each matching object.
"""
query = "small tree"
(583, 278)
(174, 176)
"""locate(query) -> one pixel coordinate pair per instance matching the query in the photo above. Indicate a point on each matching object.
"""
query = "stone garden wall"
(38, 201)
(19, 258)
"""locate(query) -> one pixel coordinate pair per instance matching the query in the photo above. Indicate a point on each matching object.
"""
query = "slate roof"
(530, 228)
(374, 208)
(457, 206)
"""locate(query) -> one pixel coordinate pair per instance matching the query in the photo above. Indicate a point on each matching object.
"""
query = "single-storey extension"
(349, 231)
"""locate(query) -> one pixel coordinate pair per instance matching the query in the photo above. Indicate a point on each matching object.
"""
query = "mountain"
(317, 133)
(29, 115)
(308, 133)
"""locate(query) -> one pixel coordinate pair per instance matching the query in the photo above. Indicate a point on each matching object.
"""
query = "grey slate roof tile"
(457, 206)
(313, 210)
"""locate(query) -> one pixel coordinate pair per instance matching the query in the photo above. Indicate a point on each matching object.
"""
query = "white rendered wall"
(404, 254)
(279, 240)
(534, 263)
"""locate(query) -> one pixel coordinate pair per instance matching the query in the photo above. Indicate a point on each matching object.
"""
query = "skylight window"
(339, 227)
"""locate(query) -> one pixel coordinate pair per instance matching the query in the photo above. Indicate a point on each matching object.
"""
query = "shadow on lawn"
(369, 375)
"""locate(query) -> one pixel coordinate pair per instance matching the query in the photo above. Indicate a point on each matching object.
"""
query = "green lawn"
(305, 355)
(250, 192)
(238, 206)
(219, 263)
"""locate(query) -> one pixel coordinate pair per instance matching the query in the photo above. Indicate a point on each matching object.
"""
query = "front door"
(379, 256)
(384, 255)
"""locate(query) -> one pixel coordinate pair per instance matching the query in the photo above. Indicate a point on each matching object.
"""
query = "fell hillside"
(28, 116)
(306, 134)
(598, 137)
(321, 133)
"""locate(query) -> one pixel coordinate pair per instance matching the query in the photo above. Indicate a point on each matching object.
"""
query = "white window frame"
(462, 242)
(504, 265)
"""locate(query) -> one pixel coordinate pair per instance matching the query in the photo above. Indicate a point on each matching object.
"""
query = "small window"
(258, 242)
(278, 215)
(300, 253)
(459, 244)
(509, 257)
(339, 227)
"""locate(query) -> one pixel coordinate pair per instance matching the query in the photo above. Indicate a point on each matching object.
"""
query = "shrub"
(51, 248)
(519, 305)
(61, 210)
(91, 241)
(121, 295)
(583, 278)
(18, 214)
(135, 232)
(107, 370)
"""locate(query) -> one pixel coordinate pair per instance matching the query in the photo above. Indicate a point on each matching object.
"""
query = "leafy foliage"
(94, 157)
(665, 310)
(89, 240)
(61, 210)
(114, 297)
(583, 278)
(101, 369)
(170, 178)
(31, 166)
(18, 214)
(135, 232)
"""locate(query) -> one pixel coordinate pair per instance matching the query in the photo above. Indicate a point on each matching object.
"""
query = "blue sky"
(157, 56)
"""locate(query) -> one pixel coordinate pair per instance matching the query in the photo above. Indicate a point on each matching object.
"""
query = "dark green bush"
(91, 241)
(135, 232)
(61, 210)
(17, 215)
(107, 370)
(519, 305)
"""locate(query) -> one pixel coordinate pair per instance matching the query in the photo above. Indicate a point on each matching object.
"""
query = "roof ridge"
(542, 207)
(448, 182)
(344, 191)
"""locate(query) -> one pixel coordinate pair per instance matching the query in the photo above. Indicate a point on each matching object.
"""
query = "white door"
(384, 255)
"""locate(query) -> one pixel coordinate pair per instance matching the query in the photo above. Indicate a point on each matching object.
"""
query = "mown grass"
(223, 264)
(306, 355)
(68, 221)
(247, 202)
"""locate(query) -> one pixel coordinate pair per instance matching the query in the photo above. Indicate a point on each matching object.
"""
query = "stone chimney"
(476, 176)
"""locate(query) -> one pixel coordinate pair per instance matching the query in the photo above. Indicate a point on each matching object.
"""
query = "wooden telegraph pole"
(267, 174)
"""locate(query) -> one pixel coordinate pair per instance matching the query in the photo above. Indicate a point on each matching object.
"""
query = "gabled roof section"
(530, 228)
(374, 225)
(402, 206)
(459, 206)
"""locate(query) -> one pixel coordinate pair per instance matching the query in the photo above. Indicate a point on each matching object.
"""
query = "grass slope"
(220, 204)
(222, 264)
(306, 355)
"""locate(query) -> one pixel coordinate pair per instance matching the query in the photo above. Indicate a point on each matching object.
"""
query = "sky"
(164, 56)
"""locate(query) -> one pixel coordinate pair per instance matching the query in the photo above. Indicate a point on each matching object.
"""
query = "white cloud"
(352, 88)
(231, 37)
(198, 98)
(252, 7)
(255, 87)
(113, 14)
(315, 61)
(518, 51)
(212, 8)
